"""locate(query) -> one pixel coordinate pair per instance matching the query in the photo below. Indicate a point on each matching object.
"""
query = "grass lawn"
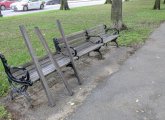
(137, 15)
(4, 115)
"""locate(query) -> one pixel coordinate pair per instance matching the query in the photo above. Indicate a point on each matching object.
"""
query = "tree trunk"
(164, 1)
(157, 5)
(108, 2)
(1, 13)
(64, 5)
(116, 15)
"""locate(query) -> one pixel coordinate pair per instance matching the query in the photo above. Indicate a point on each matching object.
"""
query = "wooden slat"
(53, 61)
(72, 36)
(110, 38)
(38, 67)
(96, 27)
(89, 49)
(96, 30)
(69, 51)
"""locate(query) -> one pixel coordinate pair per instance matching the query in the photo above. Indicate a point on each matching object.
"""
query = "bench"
(19, 85)
(39, 68)
(79, 45)
(103, 34)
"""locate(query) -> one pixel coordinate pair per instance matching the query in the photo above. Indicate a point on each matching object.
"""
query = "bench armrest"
(95, 36)
(59, 50)
(25, 79)
(73, 51)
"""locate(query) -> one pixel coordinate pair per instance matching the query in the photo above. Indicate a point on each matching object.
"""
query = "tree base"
(64, 5)
(124, 27)
(120, 26)
(157, 5)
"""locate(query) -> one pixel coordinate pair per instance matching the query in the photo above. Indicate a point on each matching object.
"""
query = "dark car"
(52, 2)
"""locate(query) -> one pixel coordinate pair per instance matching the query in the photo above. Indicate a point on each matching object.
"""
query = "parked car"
(52, 2)
(5, 4)
(26, 5)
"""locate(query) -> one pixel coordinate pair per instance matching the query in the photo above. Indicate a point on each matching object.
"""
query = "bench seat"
(86, 48)
(46, 65)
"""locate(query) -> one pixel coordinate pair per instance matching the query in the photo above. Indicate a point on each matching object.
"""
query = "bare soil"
(92, 71)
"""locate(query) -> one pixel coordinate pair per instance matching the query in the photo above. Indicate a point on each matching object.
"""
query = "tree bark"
(64, 5)
(164, 1)
(108, 2)
(1, 13)
(157, 5)
(116, 15)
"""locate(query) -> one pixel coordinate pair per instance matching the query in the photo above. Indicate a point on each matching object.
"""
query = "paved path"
(136, 92)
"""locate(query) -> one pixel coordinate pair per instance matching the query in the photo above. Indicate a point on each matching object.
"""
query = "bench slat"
(110, 38)
(89, 49)
(72, 36)
(46, 69)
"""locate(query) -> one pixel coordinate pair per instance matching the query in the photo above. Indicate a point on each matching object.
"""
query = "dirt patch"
(92, 72)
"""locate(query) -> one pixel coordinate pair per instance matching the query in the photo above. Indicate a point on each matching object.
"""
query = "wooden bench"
(103, 34)
(39, 68)
(79, 45)
(31, 76)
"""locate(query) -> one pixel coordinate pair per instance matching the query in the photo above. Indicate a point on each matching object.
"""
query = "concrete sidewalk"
(136, 92)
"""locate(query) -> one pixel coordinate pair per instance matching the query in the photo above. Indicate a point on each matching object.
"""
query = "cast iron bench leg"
(98, 50)
(19, 91)
(115, 41)
(70, 65)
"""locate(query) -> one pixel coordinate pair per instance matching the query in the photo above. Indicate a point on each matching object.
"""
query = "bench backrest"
(24, 79)
(74, 40)
(98, 30)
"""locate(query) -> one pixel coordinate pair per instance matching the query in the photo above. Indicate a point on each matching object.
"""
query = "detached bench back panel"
(98, 30)
(74, 39)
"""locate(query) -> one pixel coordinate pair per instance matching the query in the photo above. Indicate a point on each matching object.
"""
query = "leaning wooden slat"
(44, 43)
(38, 68)
(68, 47)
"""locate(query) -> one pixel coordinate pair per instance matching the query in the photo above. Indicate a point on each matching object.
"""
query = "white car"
(26, 5)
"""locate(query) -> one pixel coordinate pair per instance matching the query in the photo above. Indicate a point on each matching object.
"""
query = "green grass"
(4, 115)
(137, 15)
